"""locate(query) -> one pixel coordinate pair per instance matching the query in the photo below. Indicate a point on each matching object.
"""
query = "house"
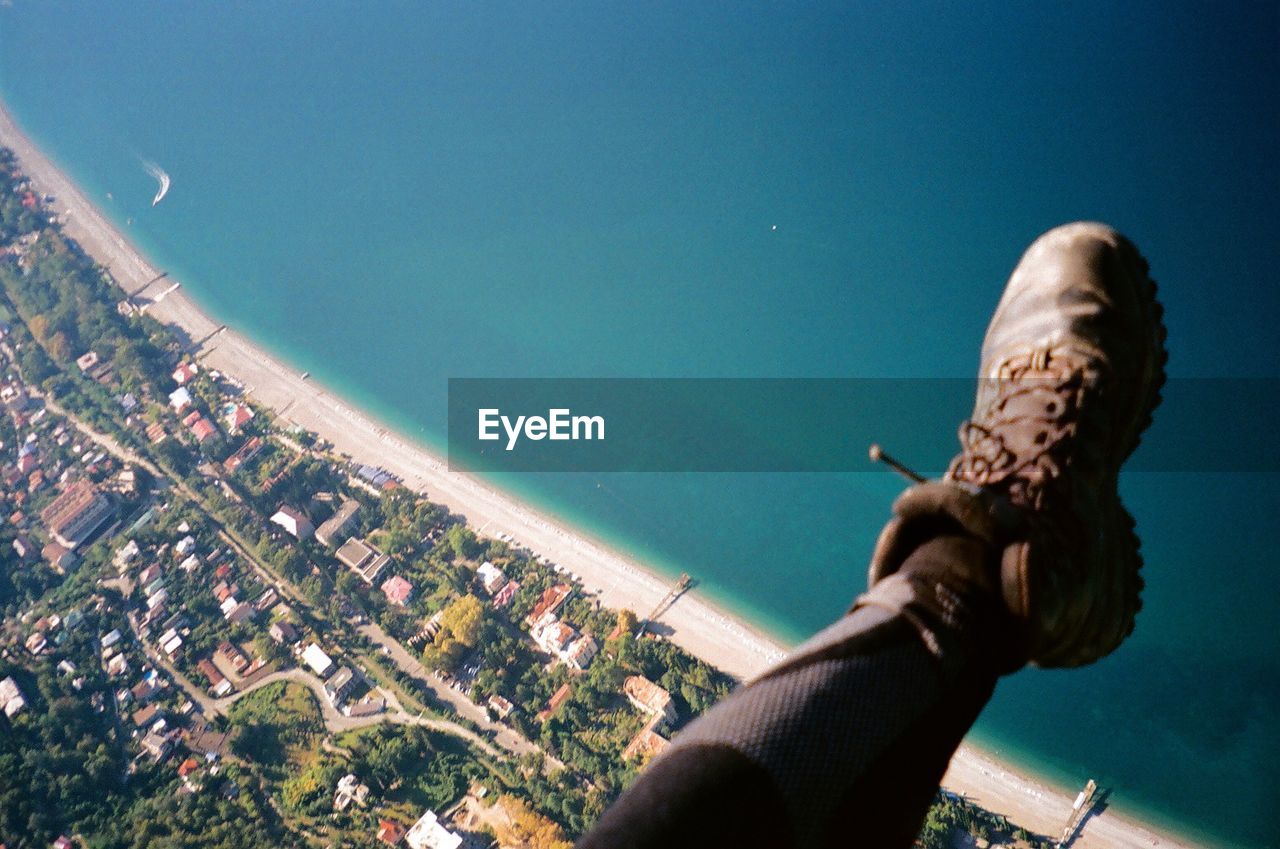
(180, 399)
(187, 772)
(23, 548)
(217, 683)
(339, 685)
(397, 590)
(506, 594)
(283, 633)
(390, 832)
(429, 833)
(203, 430)
(553, 636)
(144, 691)
(12, 700)
(558, 698)
(239, 612)
(581, 652)
(144, 716)
(363, 559)
(58, 556)
(156, 745)
(491, 577)
(649, 698)
(117, 666)
(501, 707)
(550, 601)
(349, 790)
(150, 574)
(76, 514)
(319, 662)
(293, 521)
(185, 373)
(336, 526)
(237, 416)
(36, 642)
(645, 745)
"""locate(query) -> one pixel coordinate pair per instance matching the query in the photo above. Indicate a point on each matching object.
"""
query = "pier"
(677, 590)
(1079, 811)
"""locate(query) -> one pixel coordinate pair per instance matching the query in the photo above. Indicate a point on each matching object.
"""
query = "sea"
(390, 195)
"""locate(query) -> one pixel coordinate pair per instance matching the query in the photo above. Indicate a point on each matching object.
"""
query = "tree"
(529, 828)
(463, 620)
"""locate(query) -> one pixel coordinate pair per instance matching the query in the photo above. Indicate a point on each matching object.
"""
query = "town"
(219, 632)
(233, 612)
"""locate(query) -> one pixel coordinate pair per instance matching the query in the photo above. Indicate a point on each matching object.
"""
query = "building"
(429, 833)
(11, 699)
(180, 399)
(558, 698)
(339, 685)
(397, 590)
(320, 663)
(349, 790)
(491, 577)
(553, 636)
(237, 416)
(551, 600)
(283, 633)
(156, 746)
(390, 832)
(59, 556)
(581, 652)
(219, 685)
(645, 745)
(649, 698)
(502, 708)
(506, 594)
(185, 373)
(363, 559)
(298, 525)
(340, 523)
(76, 514)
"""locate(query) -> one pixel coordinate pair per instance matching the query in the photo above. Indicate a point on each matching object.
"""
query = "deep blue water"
(392, 196)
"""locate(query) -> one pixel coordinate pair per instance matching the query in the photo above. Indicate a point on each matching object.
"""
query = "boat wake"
(161, 177)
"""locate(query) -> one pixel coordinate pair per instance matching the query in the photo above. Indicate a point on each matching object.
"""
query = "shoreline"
(698, 625)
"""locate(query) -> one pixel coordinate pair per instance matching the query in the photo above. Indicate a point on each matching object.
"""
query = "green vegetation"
(104, 755)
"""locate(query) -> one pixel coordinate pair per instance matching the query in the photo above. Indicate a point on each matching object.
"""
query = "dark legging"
(841, 745)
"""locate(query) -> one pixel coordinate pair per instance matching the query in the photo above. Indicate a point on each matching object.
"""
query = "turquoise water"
(395, 196)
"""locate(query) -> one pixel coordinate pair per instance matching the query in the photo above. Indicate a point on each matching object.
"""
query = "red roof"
(189, 766)
(390, 831)
(397, 589)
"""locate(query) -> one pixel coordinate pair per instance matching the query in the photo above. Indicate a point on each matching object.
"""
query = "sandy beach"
(695, 624)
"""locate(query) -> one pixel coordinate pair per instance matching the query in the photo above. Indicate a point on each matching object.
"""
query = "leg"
(849, 736)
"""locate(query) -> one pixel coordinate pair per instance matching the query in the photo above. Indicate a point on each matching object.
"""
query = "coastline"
(696, 624)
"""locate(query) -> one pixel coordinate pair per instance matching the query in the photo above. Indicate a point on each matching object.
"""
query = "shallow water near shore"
(391, 199)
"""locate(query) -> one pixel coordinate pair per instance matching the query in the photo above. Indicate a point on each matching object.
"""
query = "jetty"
(677, 590)
(1084, 803)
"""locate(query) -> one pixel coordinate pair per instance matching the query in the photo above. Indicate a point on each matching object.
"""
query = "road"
(506, 737)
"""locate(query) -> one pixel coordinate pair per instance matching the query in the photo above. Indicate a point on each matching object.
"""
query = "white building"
(11, 699)
(428, 833)
(319, 662)
(491, 577)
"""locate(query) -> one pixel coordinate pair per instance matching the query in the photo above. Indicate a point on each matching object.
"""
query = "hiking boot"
(1072, 367)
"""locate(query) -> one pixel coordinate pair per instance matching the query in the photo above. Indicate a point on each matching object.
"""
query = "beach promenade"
(695, 624)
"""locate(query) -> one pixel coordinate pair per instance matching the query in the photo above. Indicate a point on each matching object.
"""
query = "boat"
(161, 177)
